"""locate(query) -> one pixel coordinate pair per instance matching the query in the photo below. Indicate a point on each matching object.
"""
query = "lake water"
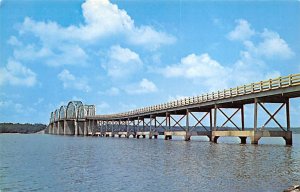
(38, 162)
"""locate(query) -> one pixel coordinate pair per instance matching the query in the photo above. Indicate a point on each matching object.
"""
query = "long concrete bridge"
(185, 117)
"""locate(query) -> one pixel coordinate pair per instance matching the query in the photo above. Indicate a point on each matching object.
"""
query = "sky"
(123, 55)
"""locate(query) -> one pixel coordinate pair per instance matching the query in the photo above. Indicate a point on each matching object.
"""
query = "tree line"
(21, 128)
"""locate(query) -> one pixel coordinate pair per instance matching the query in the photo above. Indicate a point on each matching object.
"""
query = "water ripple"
(58, 163)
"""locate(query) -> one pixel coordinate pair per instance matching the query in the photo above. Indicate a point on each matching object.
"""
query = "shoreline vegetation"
(21, 128)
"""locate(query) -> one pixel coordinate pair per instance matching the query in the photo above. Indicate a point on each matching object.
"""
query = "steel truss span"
(193, 116)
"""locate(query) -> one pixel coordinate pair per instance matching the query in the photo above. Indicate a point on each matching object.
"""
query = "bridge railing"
(280, 82)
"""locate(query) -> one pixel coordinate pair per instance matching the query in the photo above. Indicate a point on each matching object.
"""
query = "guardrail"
(280, 82)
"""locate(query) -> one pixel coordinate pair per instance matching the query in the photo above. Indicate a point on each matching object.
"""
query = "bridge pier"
(153, 134)
(187, 136)
(85, 130)
(288, 138)
(243, 140)
(168, 137)
(76, 127)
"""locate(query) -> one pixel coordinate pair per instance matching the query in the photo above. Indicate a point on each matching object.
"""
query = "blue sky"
(122, 55)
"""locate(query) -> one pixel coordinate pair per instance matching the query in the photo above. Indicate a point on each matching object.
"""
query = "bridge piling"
(243, 140)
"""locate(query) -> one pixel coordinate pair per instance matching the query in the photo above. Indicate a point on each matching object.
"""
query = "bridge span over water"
(186, 117)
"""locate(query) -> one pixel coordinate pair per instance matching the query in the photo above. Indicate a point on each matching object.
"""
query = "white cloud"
(148, 37)
(121, 62)
(144, 86)
(14, 41)
(101, 19)
(193, 66)
(62, 55)
(242, 31)
(201, 69)
(250, 67)
(70, 81)
(14, 73)
(271, 46)
(213, 76)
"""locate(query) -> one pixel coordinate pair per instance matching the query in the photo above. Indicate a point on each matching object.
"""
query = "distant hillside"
(21, 128)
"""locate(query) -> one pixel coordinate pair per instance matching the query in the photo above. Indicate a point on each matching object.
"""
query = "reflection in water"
(58, 163)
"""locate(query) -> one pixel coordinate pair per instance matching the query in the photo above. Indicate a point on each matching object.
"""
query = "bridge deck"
(272, 91)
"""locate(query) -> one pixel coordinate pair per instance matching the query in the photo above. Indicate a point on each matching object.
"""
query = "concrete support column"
(150, 124)
(210, 125)
(134, 128)
(187, 136)
(143, 125)
(215, 118)
(101, 128)
(255, 139)
(168, 125)
(76, 127)
(127, 128)
(287, 108)
(289, 136)
(58, 128)
(106, 126)
(65, 127)
(214, 128)
(112, 129)
(255, 114)
(85, 129)
(53, 129)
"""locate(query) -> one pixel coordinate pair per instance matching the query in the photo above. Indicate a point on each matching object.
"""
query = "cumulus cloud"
(242, 31)
(68, 54)
(204, 70)
(70, 81)
(193, 66)
(101, 19)
(150, 38)
(271, 46)
(121, 62)
(144, 86)
(211, 74)
(13, 40)
(202, 67)
(14, 73)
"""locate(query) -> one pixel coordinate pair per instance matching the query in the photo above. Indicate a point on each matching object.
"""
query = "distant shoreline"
(19, 128)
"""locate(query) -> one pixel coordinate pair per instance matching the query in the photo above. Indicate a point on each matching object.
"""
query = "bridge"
(186, 117)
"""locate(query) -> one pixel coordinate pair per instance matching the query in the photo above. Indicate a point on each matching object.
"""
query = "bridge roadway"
(185, 117)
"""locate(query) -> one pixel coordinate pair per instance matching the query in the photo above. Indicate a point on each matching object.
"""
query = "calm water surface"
(61, 163)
